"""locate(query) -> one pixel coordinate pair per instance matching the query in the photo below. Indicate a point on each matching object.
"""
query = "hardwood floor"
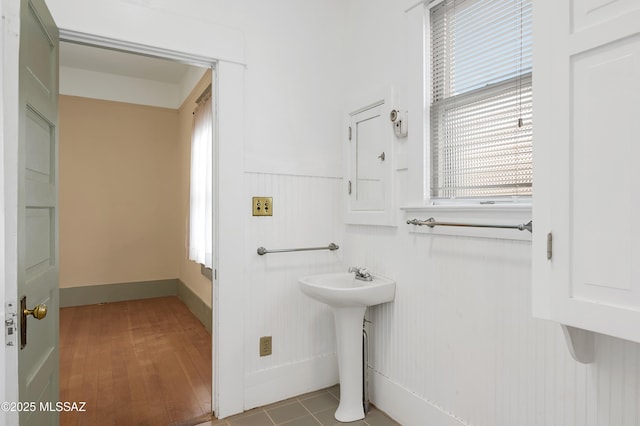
(141, 362)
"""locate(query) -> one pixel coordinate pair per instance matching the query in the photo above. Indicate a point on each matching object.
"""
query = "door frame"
(205, 62)
(228, 366)
(9, 130)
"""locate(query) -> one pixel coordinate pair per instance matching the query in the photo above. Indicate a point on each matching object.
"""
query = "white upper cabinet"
(586, 198)
(369, 162)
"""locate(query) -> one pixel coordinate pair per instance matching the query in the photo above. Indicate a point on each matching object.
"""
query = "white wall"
(305, 214)
(294, 79)
(459, 345)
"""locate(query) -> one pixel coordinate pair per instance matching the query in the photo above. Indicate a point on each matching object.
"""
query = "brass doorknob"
(38, 312)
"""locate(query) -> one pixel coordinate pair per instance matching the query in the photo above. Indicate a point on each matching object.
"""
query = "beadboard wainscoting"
(306, 213)
(459, 346)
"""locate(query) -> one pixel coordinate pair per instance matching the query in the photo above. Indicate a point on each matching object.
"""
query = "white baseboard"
(406, 407)
(275, 384)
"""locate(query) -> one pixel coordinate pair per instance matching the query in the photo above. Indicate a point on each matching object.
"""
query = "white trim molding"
(407, 407)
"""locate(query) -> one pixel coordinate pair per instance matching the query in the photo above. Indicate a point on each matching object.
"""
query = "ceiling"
(121, 63)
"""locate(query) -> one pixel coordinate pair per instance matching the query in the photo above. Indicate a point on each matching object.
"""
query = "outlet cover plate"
(265, 346)
(262, 206)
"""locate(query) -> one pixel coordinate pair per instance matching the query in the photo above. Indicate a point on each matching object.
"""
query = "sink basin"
(348, 299)
(343, 289)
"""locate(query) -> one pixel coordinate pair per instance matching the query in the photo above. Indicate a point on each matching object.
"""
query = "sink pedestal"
(348, 299)
(348, 323)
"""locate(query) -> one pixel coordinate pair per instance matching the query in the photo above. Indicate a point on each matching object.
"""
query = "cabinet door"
(368, 161)
(368, 158)
(586, 168)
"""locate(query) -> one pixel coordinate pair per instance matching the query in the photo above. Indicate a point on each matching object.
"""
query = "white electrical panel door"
(368, 161)
(586, 242)
(368, 153)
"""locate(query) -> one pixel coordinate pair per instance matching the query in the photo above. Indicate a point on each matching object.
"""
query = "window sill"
(494, 214)
(206, 272)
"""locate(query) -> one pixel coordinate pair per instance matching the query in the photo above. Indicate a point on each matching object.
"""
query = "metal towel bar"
(262, 251)
(431, 222)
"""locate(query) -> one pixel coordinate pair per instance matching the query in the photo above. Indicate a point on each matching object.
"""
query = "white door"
(38, 214)
(586, 174)
(369, 163)
(368, 166)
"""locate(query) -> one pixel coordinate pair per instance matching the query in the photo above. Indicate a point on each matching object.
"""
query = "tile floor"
(312, 409)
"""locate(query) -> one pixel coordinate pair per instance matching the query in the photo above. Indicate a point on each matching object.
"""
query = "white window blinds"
(480, 114)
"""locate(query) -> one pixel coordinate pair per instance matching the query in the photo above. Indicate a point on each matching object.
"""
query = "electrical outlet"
(265, 345)
(262, 206)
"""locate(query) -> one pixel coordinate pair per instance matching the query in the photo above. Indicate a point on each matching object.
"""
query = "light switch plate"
(262, 206)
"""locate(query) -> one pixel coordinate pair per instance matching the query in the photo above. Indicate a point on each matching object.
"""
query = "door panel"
(586, 242)
(39, 147)
(39, 57)
(604, 162)
(590, 13)
(368, 143)
(37, 209)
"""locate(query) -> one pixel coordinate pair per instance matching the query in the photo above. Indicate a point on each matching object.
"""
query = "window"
(481, 99)
(201, 184)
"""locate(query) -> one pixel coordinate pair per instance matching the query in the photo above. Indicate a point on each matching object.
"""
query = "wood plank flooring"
(141, 362)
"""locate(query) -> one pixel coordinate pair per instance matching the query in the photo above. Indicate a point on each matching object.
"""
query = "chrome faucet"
(362, 274)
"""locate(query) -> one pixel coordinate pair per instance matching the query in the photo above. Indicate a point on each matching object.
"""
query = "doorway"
(119, 201)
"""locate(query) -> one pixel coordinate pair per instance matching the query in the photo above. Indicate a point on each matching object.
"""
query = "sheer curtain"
(201, 192)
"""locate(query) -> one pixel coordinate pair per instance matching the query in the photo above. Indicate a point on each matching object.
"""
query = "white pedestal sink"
(349, 298)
